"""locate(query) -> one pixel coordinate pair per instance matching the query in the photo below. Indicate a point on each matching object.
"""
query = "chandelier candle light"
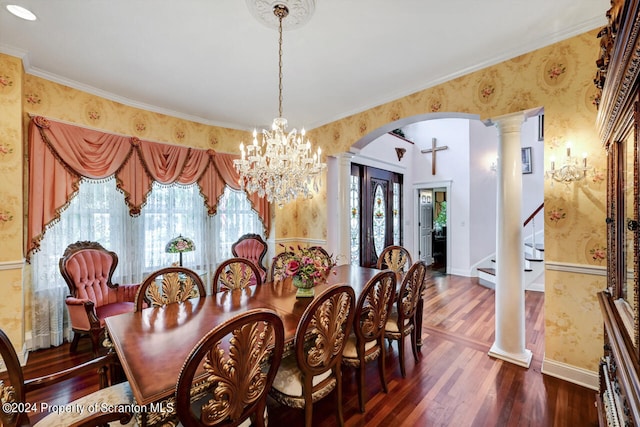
(571, 169)
(281, 165)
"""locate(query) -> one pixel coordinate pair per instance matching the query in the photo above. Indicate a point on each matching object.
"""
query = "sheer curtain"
(98, 213)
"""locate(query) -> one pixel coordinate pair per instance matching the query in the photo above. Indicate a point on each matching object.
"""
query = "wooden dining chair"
(236, 273)
(87, 268)
(169, 285)
(279, 264)
(240, 358)
(366, 342)
(395, 258)
(252, 247)
(402, 321)
(321, 252)
(14, 388)
(315, 369)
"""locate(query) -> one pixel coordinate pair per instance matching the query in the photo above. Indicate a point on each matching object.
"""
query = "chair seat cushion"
(114, 308)
(119, 394)
(350, 350)
(288, 380)
(392, 323)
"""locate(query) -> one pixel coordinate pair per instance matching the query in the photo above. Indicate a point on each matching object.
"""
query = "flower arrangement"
(309, 265)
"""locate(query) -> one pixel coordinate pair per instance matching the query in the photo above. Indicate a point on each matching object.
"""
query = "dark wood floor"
(455, 383)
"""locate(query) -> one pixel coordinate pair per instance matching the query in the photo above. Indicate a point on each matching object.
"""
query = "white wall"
(452, 165)
(483, 147)
(381, 153)
(533, 183)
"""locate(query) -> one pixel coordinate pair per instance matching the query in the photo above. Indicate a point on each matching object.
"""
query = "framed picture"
(541, 127)
(526, 160)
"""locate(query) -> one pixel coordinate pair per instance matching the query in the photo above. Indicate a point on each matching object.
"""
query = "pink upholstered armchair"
(87, 267)
(254, 248)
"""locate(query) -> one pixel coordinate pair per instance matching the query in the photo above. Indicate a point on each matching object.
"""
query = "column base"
(522, 359)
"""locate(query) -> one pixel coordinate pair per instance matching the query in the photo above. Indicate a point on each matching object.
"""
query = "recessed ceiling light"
(21, 12)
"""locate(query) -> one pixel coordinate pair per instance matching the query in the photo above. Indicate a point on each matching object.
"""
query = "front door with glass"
(376, 213)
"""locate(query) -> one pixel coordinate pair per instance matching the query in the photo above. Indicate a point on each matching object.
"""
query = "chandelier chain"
(280, 165)
(280, 16)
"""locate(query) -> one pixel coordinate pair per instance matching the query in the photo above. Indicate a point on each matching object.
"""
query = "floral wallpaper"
(558, 77)
(49, 99)
(11, 199)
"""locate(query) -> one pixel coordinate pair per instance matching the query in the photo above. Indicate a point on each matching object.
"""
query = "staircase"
(533, 253)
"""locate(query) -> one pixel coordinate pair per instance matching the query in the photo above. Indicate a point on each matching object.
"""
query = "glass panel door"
(376, 214)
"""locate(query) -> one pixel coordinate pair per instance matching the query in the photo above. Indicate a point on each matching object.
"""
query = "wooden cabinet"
(618, 121)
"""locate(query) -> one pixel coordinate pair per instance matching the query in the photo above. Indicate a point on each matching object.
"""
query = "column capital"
(510, 122)
(343, 157)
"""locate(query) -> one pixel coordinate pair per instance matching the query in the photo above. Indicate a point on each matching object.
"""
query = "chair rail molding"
(594, 270)
(11, 265)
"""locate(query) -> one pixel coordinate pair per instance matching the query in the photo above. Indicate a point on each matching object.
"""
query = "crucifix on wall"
(433, 150)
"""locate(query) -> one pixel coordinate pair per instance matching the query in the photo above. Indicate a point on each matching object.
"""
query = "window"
(98, 213)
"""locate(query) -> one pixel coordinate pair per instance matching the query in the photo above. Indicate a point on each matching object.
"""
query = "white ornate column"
(338, 206)
(509, 342)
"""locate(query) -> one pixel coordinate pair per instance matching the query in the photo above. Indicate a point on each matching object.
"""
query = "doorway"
(432, 226)
(376, 214)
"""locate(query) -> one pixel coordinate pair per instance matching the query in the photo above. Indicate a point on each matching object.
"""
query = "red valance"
(60, 155)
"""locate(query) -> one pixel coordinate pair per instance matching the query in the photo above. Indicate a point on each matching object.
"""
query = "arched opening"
(462, 173)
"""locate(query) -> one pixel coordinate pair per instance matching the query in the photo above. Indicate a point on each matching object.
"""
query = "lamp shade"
(180, 244)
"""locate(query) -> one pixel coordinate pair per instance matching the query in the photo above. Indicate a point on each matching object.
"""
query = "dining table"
(152, 344)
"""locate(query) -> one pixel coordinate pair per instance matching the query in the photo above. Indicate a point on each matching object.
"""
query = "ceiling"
(212, 61)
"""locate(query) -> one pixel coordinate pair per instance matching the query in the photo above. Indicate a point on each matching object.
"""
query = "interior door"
(380, 207)
(426, 229)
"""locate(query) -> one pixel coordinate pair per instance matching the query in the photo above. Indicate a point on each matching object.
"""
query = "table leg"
(419, 309)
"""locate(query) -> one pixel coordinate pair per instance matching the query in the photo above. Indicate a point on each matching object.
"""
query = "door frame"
(436, 185)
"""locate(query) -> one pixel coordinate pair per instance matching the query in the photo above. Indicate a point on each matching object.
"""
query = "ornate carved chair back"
(402, 321)
(321, 252)
(279, 264)
(169, 285)
(254, 248)
(319, 342)
(14, 389)
(240, 359)
(366, 343)
(395, 258)
(410, 290)
(236, 273)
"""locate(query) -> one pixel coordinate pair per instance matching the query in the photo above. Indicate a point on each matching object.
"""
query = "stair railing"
(531, 219)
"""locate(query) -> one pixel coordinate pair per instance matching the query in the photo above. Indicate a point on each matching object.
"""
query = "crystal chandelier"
(280, 165)
(571, 169)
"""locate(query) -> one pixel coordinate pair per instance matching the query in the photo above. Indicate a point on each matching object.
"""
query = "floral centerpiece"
(307, 267)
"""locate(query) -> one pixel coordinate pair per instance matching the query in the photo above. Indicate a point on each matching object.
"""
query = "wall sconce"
(570, 169)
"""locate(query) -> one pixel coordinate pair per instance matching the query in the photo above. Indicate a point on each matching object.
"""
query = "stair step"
(539, 246)
(532, 259)
(491, 271)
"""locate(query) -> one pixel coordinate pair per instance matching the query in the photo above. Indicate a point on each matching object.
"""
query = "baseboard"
(572, 374)
(463, 273)
(536, 287)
